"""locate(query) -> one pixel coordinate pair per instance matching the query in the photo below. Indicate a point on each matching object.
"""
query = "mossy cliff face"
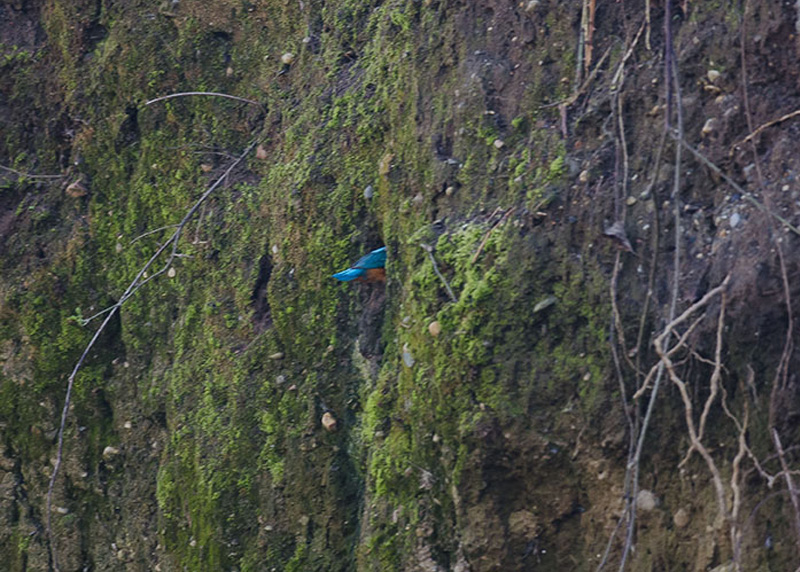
(494, 439)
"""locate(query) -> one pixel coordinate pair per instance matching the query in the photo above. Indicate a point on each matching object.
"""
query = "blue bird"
(368, 268)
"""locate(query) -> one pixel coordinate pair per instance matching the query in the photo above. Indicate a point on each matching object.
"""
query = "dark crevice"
(262, 314)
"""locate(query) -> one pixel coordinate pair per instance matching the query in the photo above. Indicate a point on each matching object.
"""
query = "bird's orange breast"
(374, 275)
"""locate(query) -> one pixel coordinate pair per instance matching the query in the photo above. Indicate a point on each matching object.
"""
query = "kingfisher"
(368, 268)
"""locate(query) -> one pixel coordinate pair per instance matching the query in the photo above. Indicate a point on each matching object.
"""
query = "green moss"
(243, 426)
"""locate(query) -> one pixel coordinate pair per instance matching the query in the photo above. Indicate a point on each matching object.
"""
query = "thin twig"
(717, 372)
(789, 482)
(695, 442)
(149, 232)
(589, 39)
(208, 93)
(29, 175)
(738, 188)
(429, 249)
(613, 326)
(673, 82)
(488, 232)
(581, 44)
(768, 124)
(583, 87)
(133, 287)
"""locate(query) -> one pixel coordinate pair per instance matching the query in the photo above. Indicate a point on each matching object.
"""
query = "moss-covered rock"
(480, 143)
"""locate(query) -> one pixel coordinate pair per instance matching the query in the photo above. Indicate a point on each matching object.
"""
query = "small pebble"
(710, 126)
(408, 359)
(287, 58)
(681, 518)
(435, 328)
(736, 218)
(584, 176)
(646, 500)
(544, 304)
(449, 191)
(110, 452)
(713, 75)
(630, 201)
(499, 143)
(368, 192)
(77, 189)
(329, 422)
(171, 272)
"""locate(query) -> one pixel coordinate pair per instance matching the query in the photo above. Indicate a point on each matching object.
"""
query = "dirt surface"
(592, 217)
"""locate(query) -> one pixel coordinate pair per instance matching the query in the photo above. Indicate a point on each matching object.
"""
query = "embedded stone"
(681, 518)
(110, 452)
(646, 500)
(329, 422)
(77, 189)
(710, 126)
(408, 359)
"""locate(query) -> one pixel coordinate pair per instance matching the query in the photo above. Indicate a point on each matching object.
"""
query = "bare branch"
(488, 232)
(738, 188)
(137, 283)
(761, 128)
(429, 249)
(29, 175)
(787, 475)
(207, 93)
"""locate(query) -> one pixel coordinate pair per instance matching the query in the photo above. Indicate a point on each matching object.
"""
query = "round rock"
(681, 518)
(329, 422)
(646, 500)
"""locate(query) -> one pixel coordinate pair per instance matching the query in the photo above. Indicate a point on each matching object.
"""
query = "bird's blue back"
(375, 259)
